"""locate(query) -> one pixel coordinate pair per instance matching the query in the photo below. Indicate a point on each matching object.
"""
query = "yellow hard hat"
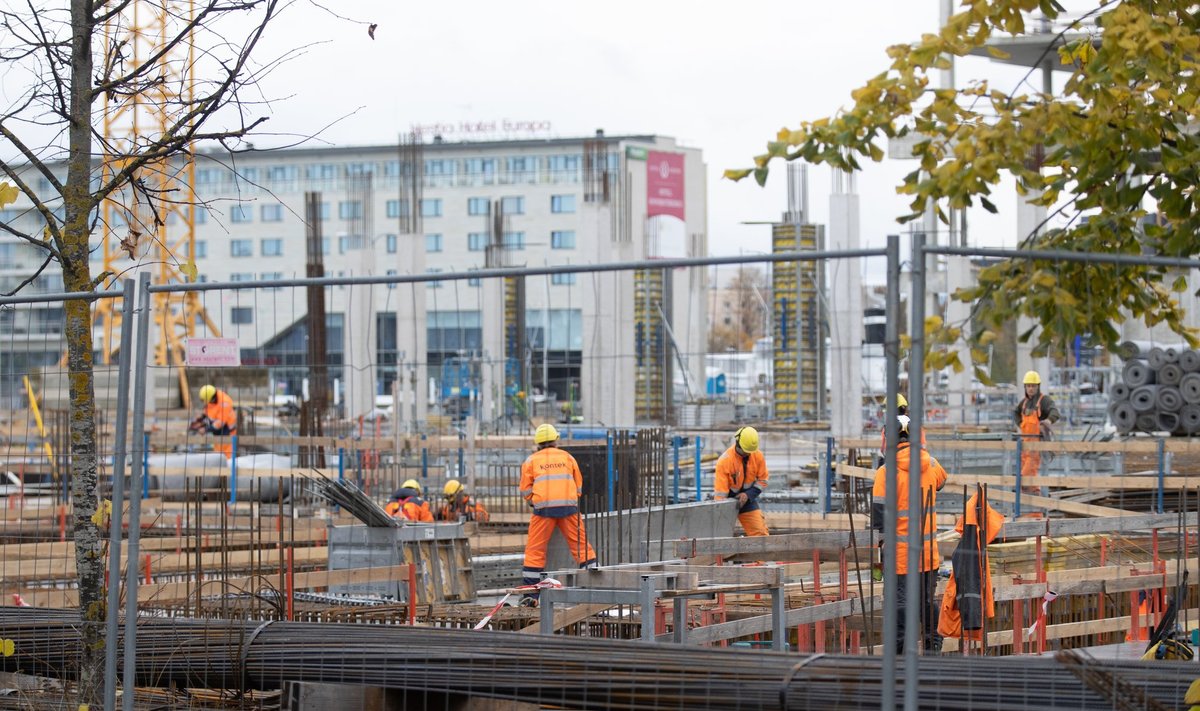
(207, 392)
(1032, 378)
(411, 484)
(545, 433)
(747, 439)
(901, 401)
(452, 488)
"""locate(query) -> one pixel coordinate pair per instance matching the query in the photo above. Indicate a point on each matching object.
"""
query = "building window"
(519, 164)
(240, 315)
(271, 276)
(281, 173)
(477, 241)
(473, 281)
(241, 276)
(326, 245)
(562, 204)
(348, 242)
(392, 272)
(397, 208)
(433, 243)
(241, 213)
(561, 163)
(323, 211)
(272, 247)
(481, 166)
(431, 208)
(241, 248)
(439, 167)
(478, 206)
(392, 243)
(201, 215)
(208, 176)
(360, 168)
(250, 175)
(433, 284)
(350, 209)
(562, 239)
(272, 213)
(512, 205)
(320, 171)
(201, 249)
(514, 240)
(391, 168)
(562, 279)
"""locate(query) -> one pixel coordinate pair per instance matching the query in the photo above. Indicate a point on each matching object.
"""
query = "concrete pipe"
(1125, 419)
(1138, 373)
(1170, 374)
(1143, 398)
(1189, 388)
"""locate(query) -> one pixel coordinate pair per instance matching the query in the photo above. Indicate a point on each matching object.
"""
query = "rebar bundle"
(354, 501)
(575, 672)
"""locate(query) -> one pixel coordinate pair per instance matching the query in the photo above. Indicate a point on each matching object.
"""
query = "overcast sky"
(723, 77)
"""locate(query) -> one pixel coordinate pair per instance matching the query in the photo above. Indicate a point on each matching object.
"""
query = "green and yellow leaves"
(8, 194)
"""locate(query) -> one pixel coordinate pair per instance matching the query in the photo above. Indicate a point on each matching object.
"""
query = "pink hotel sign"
(664, 184)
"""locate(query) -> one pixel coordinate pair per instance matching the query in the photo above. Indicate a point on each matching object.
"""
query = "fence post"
(1017, 500)
(1161, 471)
(120, 434)
(140, 374)
(612, 483)
(675, 441)
(828, 488)
(233, 454)
(696, 464)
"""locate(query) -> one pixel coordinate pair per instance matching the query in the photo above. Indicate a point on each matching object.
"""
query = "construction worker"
(459, 505)
(742, 474)
(218, 418)
(901, 409)
(933, 478)
(407, 503)
(1033, 416)
(551, 484)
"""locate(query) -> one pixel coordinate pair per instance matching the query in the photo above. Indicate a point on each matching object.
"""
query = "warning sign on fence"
(213, 352)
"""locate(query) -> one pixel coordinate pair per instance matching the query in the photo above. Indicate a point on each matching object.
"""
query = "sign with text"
(213, 352)
(664, 184)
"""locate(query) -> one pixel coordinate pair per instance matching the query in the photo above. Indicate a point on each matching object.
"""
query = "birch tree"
(81, 61)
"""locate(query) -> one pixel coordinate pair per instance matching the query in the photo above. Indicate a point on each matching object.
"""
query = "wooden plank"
(1067, 630)
(173, 592)
(796, 545)
(1081, 526)
(793, 617)
(957, 481)
(568, 616)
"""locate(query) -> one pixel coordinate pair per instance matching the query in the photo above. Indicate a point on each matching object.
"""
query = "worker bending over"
(407, 503)
(459, 505)
(933, 478)
(551, 484)
(219, 417)
(1034, 415)
(742, 474)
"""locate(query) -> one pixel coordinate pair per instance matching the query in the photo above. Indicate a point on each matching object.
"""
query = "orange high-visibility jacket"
(736, 476)
(933, 478)
(221, 412)
(552, 483)
(413, 508)
(977, 581)
(471, 510)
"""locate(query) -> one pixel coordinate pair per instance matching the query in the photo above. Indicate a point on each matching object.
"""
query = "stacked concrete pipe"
(1159, 389)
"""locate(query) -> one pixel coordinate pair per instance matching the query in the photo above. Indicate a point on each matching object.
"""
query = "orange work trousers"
(540, 530)
(753, 523)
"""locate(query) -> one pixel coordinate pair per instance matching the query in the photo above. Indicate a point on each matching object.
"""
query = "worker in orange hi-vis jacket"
(742, 474)
(459, 505)
(1034, 415)
(407, 503)
(551, 484)
(933, 478)
(218, 418)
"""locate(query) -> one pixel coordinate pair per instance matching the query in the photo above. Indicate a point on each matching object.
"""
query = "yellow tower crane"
(152, 222)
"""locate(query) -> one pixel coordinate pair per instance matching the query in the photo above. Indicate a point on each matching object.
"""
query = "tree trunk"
(73, 246)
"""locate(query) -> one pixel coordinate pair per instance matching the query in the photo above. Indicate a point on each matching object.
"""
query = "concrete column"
(1029, 222)
(359, 337)
(411, 335)
(491, 389)
(845, 311)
